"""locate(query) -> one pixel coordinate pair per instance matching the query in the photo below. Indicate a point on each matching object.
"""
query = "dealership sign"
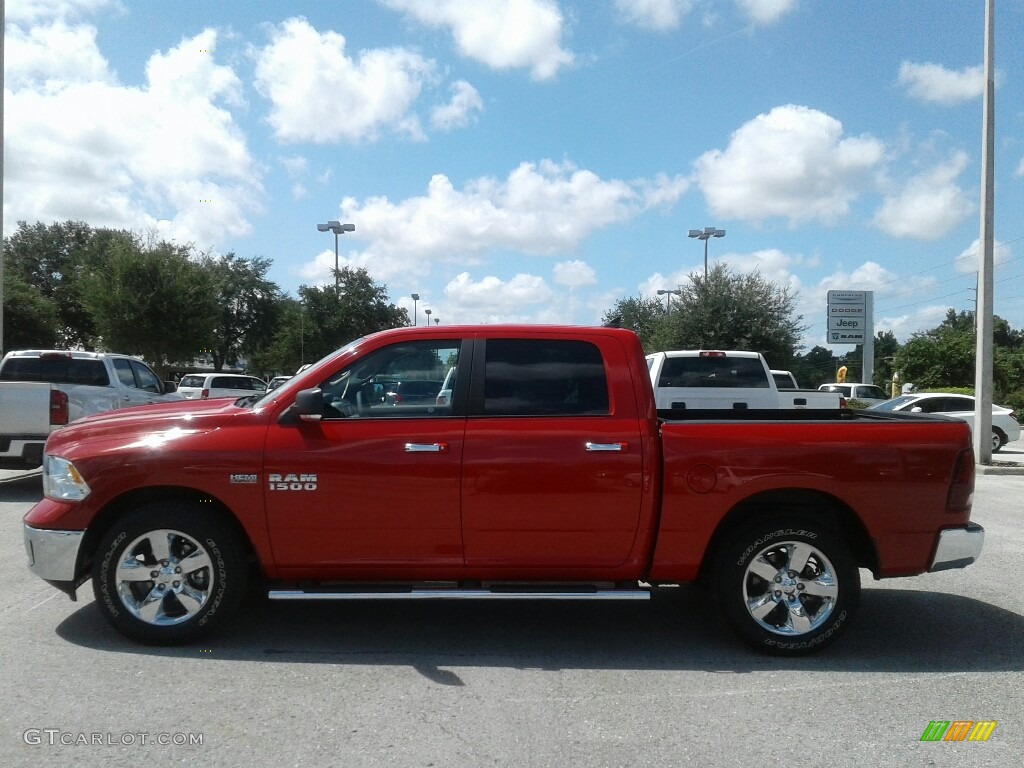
(847, 317)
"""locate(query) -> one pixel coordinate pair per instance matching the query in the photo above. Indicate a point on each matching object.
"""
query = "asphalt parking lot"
(478, 684)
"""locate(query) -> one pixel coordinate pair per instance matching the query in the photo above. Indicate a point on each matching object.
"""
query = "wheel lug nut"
(177, 584)
(801, 587)
(778, 579)
(154, 574)
(778, 593)
(178, 569)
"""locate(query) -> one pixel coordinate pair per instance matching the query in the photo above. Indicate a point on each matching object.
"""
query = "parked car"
(93, 381)
(207, 386)
(412, 392)
(865, 393)
(1005, 428)
(705, 379)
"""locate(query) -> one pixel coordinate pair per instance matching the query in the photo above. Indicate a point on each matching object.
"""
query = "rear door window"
(544, 377)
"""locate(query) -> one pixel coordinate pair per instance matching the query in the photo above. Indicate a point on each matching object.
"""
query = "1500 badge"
(302, 482)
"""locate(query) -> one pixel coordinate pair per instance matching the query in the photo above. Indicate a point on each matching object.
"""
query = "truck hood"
(150, 423)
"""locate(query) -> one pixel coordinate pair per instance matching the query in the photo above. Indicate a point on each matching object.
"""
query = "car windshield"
(895, 404)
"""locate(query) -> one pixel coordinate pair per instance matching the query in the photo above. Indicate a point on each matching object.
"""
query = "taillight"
(397, 400)
(708, 353)
(843, 403)
(205, 395)
(58, 408)
(961, 487)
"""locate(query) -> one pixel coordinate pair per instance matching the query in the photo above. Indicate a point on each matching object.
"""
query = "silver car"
(1005, 428)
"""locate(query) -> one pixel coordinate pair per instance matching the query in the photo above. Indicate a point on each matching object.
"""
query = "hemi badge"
(243, 479)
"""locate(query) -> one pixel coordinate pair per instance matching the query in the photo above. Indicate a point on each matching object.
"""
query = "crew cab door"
(552, 474)
(371, 490)
(138, 384)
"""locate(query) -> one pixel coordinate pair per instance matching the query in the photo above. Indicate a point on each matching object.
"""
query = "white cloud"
(459, 111)
(502, 34)
(765, 11)
(574, 274)
(938, 85)
(968, 260)
(544, 208)
(321, 95)
(929, 206)
(48, 58)
(166, 156)
(793, 163)
(659, 15)
(31, 11)
(294, 165)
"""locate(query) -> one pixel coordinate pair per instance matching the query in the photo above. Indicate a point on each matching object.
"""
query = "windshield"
(895, 404)
(272, 394)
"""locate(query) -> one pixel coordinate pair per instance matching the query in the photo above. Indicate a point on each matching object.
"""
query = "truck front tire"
(168, 573)
(787, 587)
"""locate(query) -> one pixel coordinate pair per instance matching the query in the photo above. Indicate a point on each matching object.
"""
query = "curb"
(1000, 469)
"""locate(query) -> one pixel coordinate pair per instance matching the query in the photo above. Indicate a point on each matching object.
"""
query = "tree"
(249, 307)
(641, 315)
(153, 301)
(815, 368)
(942, 356)
(729, 310)
(56, 259)
(30, 319)
(324, 319)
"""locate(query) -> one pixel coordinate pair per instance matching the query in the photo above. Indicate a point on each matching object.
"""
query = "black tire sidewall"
(731, 570)
(228, 571)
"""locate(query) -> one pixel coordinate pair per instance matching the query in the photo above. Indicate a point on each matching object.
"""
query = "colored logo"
(958, 730)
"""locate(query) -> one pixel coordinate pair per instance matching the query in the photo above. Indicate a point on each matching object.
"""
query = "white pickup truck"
(93, 381)
(29, 411)
(726, 380)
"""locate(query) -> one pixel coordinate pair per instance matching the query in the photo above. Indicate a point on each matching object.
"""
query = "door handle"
(607, 447)
(426, 447)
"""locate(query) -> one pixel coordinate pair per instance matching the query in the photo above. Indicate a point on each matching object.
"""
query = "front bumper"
(958, 547)
(53, 556)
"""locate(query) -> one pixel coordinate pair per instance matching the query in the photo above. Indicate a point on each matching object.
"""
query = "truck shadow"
(895, 630)
(23, 488)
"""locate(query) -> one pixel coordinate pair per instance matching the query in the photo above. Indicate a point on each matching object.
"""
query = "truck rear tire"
(787, 586)
(168, 573)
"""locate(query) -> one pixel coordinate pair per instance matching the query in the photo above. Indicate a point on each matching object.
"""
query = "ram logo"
(292, 482)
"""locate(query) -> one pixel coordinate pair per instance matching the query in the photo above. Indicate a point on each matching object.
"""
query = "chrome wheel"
(790, 588)
(997, 441)
(164, 577)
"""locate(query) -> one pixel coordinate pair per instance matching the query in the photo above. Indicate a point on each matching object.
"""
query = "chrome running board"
(462, 594)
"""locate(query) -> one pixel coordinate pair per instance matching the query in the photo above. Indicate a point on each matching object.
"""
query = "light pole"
(706, 234)
(415, 300)
(337, 228)
(428, 312)
(668, 298)
(437, 321)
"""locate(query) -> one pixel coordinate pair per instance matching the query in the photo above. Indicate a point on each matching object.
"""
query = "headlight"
(61, 481)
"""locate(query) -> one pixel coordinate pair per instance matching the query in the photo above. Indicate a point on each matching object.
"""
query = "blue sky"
(534, 160)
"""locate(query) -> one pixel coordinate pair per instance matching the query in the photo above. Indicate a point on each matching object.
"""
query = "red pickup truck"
(545, 473)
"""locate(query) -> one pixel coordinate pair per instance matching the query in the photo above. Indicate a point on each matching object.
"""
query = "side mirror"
(308, 405)
(170, 386)
(917, 409)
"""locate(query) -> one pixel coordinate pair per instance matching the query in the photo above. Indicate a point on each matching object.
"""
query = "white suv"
(206, 386)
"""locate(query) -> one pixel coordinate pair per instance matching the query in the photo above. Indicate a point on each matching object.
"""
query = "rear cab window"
(720, 372)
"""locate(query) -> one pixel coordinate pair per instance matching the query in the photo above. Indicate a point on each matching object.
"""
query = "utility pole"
(983, 315)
